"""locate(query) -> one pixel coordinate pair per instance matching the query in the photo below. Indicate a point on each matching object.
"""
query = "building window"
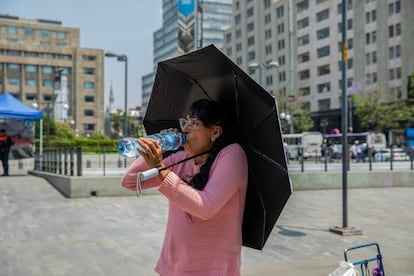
(44, 33)
(322, 15)
(89, 85)
(305, 57)
(28, 31)
(11, 30)
(238, 47)
(250, 27)
(61, 35)
(324, 70)
(47, 69)
(268, 49)
(31, 54)
(391, 31)
(268, 34)
(282, 60)
(47, 55)
(238, 33)
(280, 28)
(89, 99)
(31, 82)
(88, 71)
(398, 29)
(12, 67)
(250, 41)
(303, 75)
(323, 52)
(398, 51)
(303, 40)
(392, 73)
(280, 12)
(266, 4)
(250, 12)
(303, 23)
(30, 96)
(88, 127)
(251, 56)
(47, 83)
(324, 104)
(89, 112)
(237, 19)
(324, 87)
(368, 58)
(302, 6)
(13, 53)
(304, 91)
(14, 81)
(239, 61)
(398, 73)
(228, 39)
(281, 44)
(268, 18)
(30, 68)
(64, 57)
(321, 34)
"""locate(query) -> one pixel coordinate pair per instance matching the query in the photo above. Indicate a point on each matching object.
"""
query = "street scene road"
(44, 233)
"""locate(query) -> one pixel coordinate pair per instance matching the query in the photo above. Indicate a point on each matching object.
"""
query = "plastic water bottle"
(170, 140)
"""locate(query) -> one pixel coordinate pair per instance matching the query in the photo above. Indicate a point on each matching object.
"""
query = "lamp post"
(286, 117)
(123, 58)
(263, 66)
(49, 106)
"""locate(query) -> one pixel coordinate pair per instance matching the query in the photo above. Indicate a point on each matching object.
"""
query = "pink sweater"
(208, 243)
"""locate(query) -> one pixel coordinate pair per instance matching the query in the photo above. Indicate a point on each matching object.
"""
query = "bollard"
(88, 163)
(20, 165)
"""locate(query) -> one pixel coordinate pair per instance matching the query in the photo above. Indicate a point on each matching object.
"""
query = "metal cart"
(363, 264)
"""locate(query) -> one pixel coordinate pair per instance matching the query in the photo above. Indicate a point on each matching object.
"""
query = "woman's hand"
(152, 154)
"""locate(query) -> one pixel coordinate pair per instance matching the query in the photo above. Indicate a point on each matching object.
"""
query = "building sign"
(186, 26)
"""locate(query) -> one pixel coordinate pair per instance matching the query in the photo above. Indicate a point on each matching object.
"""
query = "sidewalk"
(43, 233)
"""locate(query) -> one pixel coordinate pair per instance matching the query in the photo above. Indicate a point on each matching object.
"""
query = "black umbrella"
(208, 74)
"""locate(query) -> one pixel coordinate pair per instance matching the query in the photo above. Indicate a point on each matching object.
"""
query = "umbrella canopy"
(208, 74)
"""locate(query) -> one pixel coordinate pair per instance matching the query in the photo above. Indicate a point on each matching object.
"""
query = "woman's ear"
(217, 131)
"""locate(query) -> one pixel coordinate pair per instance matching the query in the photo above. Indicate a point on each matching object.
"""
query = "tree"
(302, 119)
(382, 113)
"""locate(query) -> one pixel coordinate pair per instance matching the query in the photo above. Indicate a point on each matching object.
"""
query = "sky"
(123, 26)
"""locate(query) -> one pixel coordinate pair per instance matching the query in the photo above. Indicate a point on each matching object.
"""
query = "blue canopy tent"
(12, 108)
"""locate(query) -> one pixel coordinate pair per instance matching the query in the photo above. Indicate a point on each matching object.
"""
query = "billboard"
(186, 26)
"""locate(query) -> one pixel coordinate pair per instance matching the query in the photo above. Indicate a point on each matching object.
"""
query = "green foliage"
(377, 113)
(302, 120)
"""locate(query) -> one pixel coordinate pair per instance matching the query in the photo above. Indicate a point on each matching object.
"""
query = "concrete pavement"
(44, 233)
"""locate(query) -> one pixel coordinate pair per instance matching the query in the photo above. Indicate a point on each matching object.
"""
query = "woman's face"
(199, 137)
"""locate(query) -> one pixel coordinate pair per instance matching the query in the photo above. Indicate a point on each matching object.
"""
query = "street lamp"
(286, 117)
(267, 65)
(123, 58)
(49, 106)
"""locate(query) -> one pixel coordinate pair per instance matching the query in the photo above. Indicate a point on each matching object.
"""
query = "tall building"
(42, 64)
(303, 39)
(187, 25)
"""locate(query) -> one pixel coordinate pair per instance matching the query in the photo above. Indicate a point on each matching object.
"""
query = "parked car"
(398, 154)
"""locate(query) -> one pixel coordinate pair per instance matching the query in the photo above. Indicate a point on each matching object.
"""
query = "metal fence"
(103, 162)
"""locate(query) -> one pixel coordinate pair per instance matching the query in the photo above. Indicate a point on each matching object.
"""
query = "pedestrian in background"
(206, 194)
(5, 144)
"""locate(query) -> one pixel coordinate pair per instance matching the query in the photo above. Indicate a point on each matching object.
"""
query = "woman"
(206, 194)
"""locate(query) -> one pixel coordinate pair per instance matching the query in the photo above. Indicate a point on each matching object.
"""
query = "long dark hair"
(211, 113)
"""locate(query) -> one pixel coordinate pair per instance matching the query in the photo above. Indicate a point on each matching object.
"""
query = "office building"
(43, 65)
(187, 25)
(304, 37)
